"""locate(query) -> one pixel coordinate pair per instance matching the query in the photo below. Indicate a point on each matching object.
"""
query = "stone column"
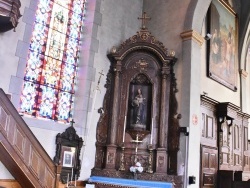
(111, 147)
(244, 90)
(190, 102)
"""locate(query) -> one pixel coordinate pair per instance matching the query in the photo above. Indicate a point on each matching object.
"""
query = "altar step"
(106, 182)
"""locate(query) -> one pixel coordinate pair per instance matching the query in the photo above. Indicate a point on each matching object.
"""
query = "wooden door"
(209, 150)
(209, 166)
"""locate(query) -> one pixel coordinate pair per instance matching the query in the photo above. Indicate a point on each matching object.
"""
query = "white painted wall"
(118, 23)
(8, 43)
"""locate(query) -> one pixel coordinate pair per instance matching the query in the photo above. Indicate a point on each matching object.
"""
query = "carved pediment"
(143, 40)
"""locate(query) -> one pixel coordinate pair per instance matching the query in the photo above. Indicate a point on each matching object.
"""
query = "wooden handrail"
(21, 152)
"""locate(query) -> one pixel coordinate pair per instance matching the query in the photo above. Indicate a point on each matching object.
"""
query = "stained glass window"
(50, 74)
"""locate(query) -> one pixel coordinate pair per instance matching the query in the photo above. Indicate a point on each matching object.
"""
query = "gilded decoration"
(141, 64)
(192, 35)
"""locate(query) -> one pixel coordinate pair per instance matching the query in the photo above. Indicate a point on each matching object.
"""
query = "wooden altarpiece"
(139, 120)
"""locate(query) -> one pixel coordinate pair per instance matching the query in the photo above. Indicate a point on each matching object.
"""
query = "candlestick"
(124, 128)
(68, 180)
(152, 131)
(122, 168)
(150, 159)
(71, 174)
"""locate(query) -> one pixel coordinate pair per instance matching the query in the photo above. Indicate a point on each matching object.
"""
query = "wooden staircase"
(21, 152)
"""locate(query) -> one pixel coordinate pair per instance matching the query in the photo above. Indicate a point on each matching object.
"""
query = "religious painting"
(68, 156)
(67, 159)
(139, 113)
(222, 47)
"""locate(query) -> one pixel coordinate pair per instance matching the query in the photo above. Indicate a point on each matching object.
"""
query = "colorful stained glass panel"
(64, 106)
(51, 66)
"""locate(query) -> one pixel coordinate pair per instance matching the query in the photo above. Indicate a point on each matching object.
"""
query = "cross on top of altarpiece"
(144, 18)
(72, 122)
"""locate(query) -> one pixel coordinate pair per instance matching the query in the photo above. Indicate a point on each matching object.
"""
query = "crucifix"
(144, 18)
(93, 104)
(136, 141)
(72, 122)
(101, 74)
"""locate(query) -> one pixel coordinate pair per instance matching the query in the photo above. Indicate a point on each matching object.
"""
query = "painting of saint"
(222, 45)
(68, 159)
(139, 108)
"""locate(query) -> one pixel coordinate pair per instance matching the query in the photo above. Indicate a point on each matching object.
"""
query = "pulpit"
(9, 14)
(140, 122)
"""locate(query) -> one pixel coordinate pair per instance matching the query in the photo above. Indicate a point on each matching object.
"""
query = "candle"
(124, 128)
(68, 180)
(152, 131)
(136, 150)
(75, 180)
(71, 174)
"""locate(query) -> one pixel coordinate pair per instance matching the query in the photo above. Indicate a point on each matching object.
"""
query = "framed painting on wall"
(67, 159)
(68, 156)
(222, 47)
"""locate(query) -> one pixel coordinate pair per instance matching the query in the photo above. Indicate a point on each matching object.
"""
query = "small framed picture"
(68, 159)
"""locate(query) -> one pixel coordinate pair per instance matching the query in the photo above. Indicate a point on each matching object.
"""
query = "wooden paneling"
(19, 142)
(209, 166)
(246, 152)
(3, 120)
(224, 127)
(208, 123)
(9, 183)
(210, 126)
(21, 152)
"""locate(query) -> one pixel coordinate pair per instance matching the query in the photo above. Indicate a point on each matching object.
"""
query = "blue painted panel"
(130, 182)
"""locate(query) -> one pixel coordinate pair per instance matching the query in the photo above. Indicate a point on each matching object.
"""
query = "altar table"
(129, 182)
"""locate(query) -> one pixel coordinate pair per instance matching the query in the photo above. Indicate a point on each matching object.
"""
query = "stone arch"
(196, 13)
(244, 49)
(244, 69)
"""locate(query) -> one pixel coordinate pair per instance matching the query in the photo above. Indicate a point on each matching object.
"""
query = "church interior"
(115, 93)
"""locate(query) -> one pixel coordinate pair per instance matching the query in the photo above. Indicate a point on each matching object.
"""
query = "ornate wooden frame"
(68, 143)
(140, 54)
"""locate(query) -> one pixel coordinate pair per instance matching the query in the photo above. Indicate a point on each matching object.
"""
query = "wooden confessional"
(140, 120)
(225, 151)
